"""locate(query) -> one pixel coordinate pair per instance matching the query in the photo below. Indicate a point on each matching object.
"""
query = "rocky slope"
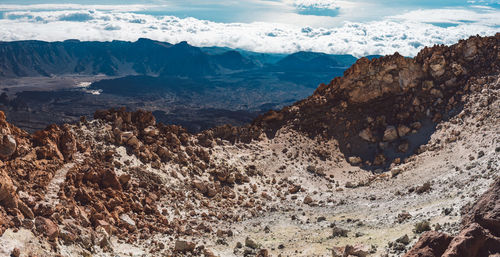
(298, 182)
(479, 235)
(382, 110)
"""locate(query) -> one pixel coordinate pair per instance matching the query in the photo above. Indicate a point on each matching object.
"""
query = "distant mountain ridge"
(196, 87)
(147, 57)
(310, 61)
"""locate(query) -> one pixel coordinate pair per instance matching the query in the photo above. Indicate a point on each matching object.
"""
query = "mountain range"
(209, 83)
(149, 57)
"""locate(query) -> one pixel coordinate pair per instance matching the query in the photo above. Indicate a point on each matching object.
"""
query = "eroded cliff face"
(381, 111)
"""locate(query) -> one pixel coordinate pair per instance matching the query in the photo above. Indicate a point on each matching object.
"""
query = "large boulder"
(8, 146)
(390, 133)
(473, 241)
(431, 244)
(8, 196)
(46, 227)
(486, 211)
(184, 246)
(67, 143)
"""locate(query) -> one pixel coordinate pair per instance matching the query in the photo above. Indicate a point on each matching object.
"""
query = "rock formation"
(389, 106)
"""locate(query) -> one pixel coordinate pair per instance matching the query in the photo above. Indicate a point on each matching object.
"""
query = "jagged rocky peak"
(382, 110)
(369, 80)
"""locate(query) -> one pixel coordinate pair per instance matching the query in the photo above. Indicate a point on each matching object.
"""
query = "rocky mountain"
(309, 61)
(143, 57)
(393, 158)
(381, 111)
(117, 58)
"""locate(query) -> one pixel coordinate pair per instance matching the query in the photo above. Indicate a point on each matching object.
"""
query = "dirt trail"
(55, 184)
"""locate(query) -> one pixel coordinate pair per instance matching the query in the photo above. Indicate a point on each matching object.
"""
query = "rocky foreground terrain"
(400, 157)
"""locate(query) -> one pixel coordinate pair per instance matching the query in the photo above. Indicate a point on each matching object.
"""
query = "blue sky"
(283, 11)
(357, 27)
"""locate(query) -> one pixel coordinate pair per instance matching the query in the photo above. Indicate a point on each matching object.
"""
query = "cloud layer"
(406, 33)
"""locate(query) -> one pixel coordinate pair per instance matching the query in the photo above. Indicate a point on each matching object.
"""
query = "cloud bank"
(406, 33)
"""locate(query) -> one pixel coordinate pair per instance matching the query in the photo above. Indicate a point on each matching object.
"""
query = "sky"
(358, 27)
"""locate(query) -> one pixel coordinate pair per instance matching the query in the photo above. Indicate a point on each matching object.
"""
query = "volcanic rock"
(47, 227)
(367, 135)
(184, 246)
(8, 146)
(8, 196)
(390, 133)
(473, 241)
(431, 244)
(251, 243)
(403, 130)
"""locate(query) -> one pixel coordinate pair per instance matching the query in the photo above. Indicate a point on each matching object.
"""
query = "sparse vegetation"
(422, 227)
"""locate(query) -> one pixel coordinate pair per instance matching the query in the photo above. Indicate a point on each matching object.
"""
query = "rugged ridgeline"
(383, 110)
(147, 57)
(123, 184)
(116, 58)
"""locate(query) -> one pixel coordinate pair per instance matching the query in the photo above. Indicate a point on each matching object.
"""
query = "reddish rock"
(184, 246)
(124, 179)
(67, 143)
(486, 212)
(143, 119)
(308, 200)
(294, 189)
(8, 196)
(109, 179)
(15, 252)
(430, 244)
(473, 241)
(8, 146)
(201, 186)
(47, 227)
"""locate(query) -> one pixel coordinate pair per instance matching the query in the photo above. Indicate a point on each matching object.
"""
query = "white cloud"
(321, 4)
(406, 33)
(34, 7)
(488, 17)
(324, 4)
